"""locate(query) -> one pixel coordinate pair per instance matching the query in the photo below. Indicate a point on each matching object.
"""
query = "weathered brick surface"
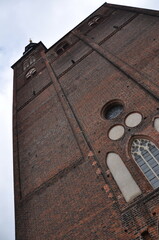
(110, 24)
(111, 85)
(138, 45)
(75, 207)
(67, 60)
(33, 87)
(46, 143)
(51, 52)
(63, 187)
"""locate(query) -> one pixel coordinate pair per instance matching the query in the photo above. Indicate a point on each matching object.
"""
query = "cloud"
(6, 179)
(150, 4)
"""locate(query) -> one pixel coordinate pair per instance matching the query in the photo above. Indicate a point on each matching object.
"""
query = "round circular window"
(112, 110)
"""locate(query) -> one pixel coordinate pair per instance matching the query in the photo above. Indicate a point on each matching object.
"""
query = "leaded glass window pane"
(114, 111)
(146, 155)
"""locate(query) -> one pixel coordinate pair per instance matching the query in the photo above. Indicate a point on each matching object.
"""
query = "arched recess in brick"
(122, 176)
(146, 155)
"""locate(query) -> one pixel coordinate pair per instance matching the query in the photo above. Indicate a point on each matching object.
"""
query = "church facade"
(86, 131)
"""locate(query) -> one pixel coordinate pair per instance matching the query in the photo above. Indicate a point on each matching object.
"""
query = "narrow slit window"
(146, 155)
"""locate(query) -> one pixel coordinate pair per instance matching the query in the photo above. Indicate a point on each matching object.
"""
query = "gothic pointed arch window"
(146, 155)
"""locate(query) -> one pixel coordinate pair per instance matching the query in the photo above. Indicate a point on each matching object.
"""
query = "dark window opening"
(59, 51)
(112, 110)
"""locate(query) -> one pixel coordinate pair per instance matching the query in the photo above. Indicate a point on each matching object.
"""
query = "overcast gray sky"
(45, 21)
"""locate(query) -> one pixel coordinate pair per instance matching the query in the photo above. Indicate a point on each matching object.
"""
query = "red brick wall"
(63, 187)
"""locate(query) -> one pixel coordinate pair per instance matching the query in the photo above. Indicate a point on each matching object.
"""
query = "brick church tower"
(86, 131)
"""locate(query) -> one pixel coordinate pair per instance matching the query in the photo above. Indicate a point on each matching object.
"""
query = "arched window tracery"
(146, 155)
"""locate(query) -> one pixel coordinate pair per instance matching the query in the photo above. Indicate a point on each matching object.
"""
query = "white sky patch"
(6, 167)
(45, 21)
